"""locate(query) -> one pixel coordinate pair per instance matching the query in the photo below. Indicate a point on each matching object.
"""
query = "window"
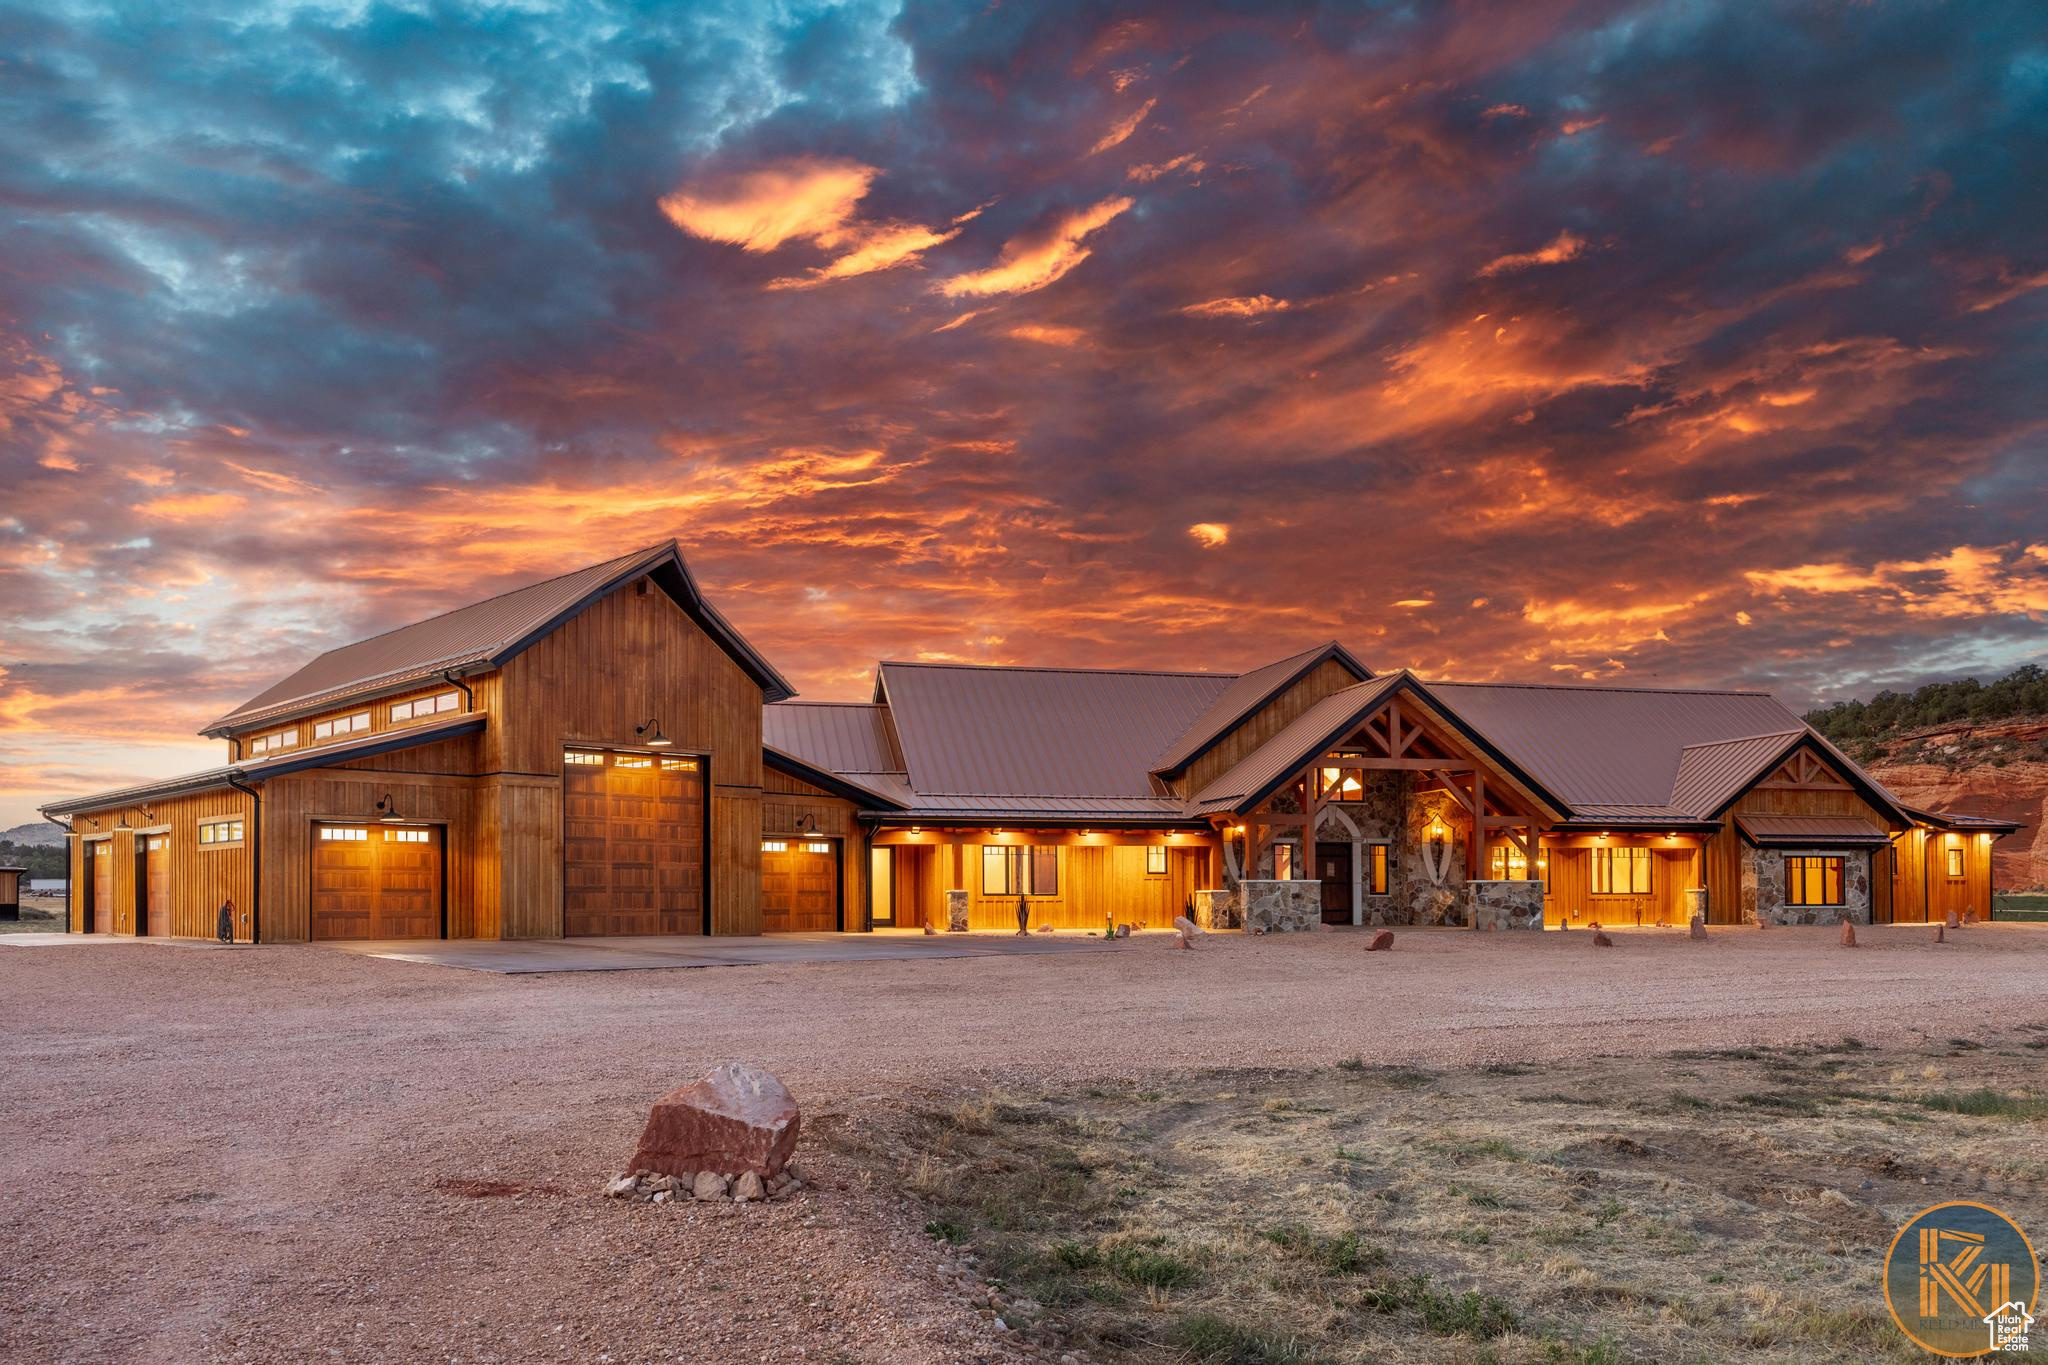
(406, 836)
(1155, 860)
(271, 743)
(1621, 871)
(583, 757)
(817, 846)
(1955, 864)
(1375, 869)
(424, 706)
(220, 831)
(1009, 871)
(1813, 881)
(679, 765)
(1509, 863)
(342, 834)
(1283, 862)
(775, 845)
(157, 843)
(341, 725)
(632, 761)
(1343, 784)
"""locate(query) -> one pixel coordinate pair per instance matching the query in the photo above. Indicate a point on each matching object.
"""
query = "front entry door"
(1333, 867)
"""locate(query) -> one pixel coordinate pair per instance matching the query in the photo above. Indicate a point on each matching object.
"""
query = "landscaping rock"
(1941, 933)
(1698, 928)
(1045, 928)
(710, 1185)
(748, 1188)
(1382, 942)
(1848, 934)
(929, 930)
(1123, 931)
(1600, 939)
(1187, 928)
(1953, 922)
(737, 1118)
(622, 1187)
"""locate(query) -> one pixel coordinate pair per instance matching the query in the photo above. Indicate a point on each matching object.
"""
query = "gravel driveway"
(243, 1154)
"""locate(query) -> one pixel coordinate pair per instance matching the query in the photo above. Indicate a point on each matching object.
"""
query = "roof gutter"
(468, 696)
(255, 858)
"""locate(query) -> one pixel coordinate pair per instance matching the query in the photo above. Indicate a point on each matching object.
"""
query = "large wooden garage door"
(156, 886)
(102, 875)
(376, 881)
(632, 843)
(799, 886)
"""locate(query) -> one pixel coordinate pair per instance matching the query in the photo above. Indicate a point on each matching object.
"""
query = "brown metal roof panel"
(256, 770)
(486, 632)
(1818, 831)
(1609, 745)
(1245, 695)
(1038, 731)
(1958, 821)
(1298, 741)
(1711, 775)
(841, 737)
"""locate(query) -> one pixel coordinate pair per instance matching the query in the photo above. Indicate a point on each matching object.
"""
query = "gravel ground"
(243, 1155)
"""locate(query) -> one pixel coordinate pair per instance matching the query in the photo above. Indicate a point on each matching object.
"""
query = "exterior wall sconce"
(1438, 835)
(387, 811)
(657, 740)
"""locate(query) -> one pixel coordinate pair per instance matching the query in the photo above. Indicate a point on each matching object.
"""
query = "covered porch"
(1066, 877)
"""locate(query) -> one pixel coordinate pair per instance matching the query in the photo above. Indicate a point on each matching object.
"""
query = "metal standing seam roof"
(1956, 820)
(1711, 775)
(1300, 740)
(1609, 746)
(489, 633)
(256, 770)
(1046, 734)
(839, 736)
(1246, 694)
(1819, 831)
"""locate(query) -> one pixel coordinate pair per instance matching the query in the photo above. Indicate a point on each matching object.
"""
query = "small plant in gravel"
(1341, 1254)
(1988, 1104)
(1210, 1340)
(946, 1230)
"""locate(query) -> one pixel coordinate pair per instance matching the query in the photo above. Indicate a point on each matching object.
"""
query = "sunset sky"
(1655, 343)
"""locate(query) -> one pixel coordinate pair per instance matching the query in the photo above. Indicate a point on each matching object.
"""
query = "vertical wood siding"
(1325, 678)
(200, 877)
(792, 806)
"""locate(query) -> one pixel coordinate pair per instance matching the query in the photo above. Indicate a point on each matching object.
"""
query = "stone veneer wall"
(1506, 905)
(1763, 886)
(1272, 907)
(1217, 910)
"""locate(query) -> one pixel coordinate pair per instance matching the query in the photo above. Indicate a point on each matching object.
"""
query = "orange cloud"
(807, 198)
(1564, 248)
(187, 507)
(1048, 334)
(1210, 535)
(1146, 172)
(1247, 306)
(1036, 260)
(1968, 581)
(1122, 129)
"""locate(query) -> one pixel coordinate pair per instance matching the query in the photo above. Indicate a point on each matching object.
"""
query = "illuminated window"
(1283, 862)
(1375, 869)
(580, 756)
(632, 761)
(157, 843)
(817, 846)
(1155, 860)
(406, 836)
(1510, 864)
(425, 706)
(220, 831)
(1343, 784)
(1009, 871)
(1955, 863)
(341, 725)
(271, 743)
(1813, 881)
(1621, 871)
(679, 765)
(775, 845)
(343, 834)
(105, 849)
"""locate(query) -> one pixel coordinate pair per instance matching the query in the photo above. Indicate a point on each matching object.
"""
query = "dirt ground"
(248, 1154)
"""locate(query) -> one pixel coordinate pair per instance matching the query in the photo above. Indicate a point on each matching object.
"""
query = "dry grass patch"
(1696, 1207)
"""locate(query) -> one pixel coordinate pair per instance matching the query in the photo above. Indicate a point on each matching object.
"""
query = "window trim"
(233, 839)
(1160, 850)
(1833, 867)
(1020, 863)
(356, 720)
(436, 703)
(1956, 858)
(1378, 867)
(1638, 855)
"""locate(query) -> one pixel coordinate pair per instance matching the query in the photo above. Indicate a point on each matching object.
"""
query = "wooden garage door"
(102, 887)
(376, 881)
(156, 886)
(632, 843)
(799, 885)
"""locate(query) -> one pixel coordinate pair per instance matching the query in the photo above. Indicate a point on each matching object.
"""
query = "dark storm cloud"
(1655, 342)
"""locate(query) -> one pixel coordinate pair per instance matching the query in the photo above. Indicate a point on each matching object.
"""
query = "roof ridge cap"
(1617, 687)
(1060, 668)
(1744, 739)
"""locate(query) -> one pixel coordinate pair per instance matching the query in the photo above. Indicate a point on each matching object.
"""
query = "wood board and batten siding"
(1568, 887)
(792, 808)
(1781, 793)
(1264, 723)
(630, 657)
(198, 877)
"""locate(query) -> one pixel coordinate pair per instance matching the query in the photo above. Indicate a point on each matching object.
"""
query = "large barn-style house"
(603, 753)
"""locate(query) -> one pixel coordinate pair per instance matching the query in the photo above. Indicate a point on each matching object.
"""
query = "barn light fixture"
(387, 811)
(1437, 833)
(657, 740)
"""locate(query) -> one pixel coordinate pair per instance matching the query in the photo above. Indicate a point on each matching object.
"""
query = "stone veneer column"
(1217, 910)
(956, 912)
(1506, 905)
(1696, 903)
(1277, 907)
